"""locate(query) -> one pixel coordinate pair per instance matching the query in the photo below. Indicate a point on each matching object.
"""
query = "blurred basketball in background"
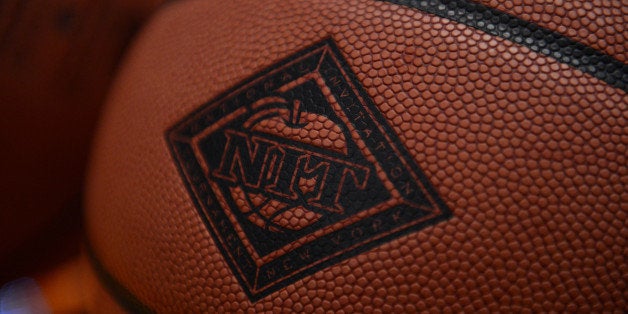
(365, 156)
(56, 61)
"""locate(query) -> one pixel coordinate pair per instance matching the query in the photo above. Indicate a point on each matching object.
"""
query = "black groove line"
(117, 290)
(533, 36)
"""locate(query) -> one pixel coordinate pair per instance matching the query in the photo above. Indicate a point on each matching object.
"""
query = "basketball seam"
(114, 288)
(537, 38)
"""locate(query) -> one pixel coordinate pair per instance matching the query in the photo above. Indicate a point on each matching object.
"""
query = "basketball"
(364, 156)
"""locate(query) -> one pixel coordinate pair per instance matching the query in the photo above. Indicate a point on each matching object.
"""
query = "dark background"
(57, 60)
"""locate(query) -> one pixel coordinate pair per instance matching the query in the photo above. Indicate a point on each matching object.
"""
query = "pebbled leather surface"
(528, 153)
(533, 36)
(598, 23)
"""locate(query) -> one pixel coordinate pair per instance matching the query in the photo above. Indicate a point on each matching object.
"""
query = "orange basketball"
(365, 156)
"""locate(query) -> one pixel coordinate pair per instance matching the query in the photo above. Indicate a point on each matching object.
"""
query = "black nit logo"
(296, 170)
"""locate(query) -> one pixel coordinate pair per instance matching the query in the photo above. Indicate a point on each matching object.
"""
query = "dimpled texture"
(317, 130)
(528, 153)
(600, 24)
